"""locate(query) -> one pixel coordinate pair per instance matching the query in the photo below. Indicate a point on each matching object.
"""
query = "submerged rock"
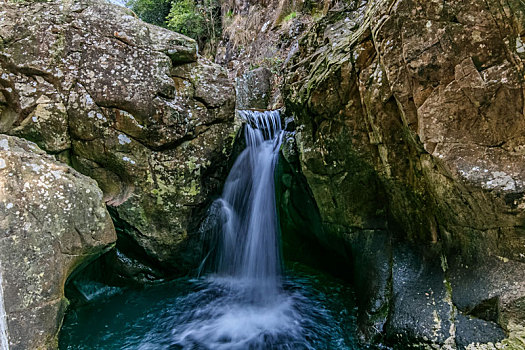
(126, 103)
(52, 220)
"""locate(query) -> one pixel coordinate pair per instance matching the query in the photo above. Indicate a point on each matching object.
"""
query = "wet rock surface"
(52, 221)
(126, 103)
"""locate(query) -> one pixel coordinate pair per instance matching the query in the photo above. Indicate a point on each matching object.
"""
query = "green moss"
(444, 264)
(290, 16)
(191, 163)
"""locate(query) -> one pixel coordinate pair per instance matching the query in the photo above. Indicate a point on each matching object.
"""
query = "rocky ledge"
(128, 104)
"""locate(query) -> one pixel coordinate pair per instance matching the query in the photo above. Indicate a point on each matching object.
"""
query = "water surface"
(313, 311)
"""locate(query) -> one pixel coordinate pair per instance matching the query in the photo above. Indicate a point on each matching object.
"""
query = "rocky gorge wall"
(410, 130)
(128, 104)
(409, 120)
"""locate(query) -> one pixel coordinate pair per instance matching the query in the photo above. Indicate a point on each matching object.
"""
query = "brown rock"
(421, 102)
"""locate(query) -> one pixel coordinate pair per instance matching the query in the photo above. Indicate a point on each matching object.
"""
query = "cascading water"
(254, 311)
(244, 301)
(248, 248)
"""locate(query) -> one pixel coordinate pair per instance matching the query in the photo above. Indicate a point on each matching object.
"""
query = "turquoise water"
(312, 311)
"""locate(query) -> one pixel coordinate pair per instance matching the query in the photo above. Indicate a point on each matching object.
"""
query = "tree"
(198, 19)
(151, 11)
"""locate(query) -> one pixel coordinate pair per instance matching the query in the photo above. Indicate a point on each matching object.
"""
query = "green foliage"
(185, 18)
(198, 19)
(151, 11)
(291, 16)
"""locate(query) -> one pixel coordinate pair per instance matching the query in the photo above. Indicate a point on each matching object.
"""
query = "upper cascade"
(268, 122)
(247, 229)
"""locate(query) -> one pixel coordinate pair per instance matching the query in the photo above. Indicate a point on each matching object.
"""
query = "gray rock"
(254, 89)
(471, 330)
(422, 309)
(126, 103)
(492, 290)
(53, 220)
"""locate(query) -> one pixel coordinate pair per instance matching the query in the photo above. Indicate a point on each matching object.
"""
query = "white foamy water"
(4, 340)
(247, 227)
(234, 321)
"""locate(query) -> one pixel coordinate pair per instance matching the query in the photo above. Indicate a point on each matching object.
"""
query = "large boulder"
(126, 103)
(410, 123)
(52, 220)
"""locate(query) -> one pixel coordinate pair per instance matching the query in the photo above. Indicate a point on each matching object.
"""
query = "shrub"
(151, 11)
(198, 19)
(291, 16)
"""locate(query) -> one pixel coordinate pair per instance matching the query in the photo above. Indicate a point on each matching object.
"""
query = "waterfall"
(244, 301)
(4, 341)
(247, 228)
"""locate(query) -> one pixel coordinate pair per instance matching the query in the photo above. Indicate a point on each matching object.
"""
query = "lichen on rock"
(126, 103)
(52, 221)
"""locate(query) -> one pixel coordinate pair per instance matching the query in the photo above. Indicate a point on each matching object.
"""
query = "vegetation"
(291, 16)
(151, 11)
(198, 19)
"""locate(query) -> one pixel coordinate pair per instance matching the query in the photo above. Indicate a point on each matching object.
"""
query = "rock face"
(258, 39)
(52, 219)
(253, 89)
(410, 131)
(126, 103)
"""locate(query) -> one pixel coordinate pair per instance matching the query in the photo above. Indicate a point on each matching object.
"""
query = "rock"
(422, 309)
(471, 330)
(254, 89)
(299, 217)
(410, 120)
(480, 290)
(53, 221)
(126, 103)
(257, 39)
